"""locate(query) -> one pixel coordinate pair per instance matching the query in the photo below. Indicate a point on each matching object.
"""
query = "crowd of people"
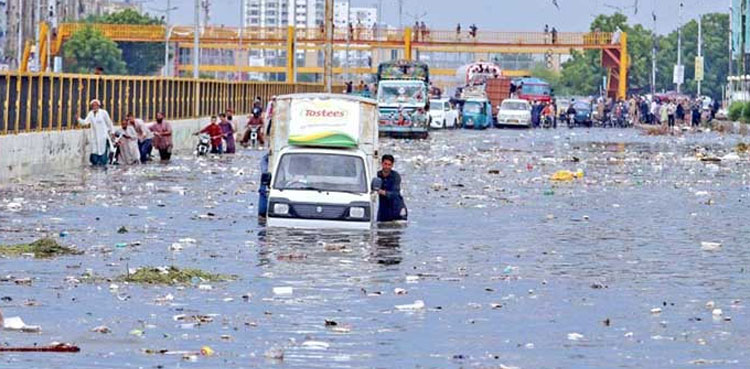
(668, 111)
(133, 141)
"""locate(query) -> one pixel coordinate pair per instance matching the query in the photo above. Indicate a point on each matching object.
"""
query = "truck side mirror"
(265, 179)
(376, 184)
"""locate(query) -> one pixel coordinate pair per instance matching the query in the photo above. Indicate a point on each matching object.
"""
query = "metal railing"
(54, 102)
(155, 33)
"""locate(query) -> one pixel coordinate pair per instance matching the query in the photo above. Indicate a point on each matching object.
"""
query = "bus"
(533, 89)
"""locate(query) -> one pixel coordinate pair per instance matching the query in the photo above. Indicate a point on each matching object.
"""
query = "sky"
(496, 15)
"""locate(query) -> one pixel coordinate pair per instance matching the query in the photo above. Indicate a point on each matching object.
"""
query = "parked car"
(514, 113)
(443, 114)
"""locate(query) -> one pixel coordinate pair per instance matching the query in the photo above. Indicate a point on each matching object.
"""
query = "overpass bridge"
(229, 50)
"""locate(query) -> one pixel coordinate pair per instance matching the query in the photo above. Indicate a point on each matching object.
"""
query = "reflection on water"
(513, 269)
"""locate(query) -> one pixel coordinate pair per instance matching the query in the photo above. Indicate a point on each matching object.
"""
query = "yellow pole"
(407, 43)
(622, 88)
(60, 80)
(6, 103)
(26, 56)
(42, 51)
(290, 57)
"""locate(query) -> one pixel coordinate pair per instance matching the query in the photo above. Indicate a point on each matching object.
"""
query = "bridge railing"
(573, 39)
(54, 102)
(155, 33)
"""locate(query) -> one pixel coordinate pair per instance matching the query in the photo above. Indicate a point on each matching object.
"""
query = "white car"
(514, 112)
(443, 115)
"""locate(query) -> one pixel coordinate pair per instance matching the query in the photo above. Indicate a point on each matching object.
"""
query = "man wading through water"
(392, 205)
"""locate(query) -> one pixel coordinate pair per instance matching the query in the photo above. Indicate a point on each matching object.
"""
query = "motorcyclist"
(255, 121)
(549, 114)
(571, 109)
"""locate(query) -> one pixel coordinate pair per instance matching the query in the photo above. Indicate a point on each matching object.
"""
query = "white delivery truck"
(322, 162)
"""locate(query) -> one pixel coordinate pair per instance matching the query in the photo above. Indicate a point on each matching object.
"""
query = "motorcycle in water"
(253, 141)
(547, 122)
(204, 144)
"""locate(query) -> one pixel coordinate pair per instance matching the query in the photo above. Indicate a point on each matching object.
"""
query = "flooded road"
(618, 269)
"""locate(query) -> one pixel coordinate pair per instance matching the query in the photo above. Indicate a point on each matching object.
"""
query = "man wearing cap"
(101, 133)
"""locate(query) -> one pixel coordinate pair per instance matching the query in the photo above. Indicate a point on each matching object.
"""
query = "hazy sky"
(505, 15)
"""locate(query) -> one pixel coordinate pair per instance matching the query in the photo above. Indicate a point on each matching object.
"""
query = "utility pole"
(196, 39)
(349, 24)
(166, 39)
(679, 47)
(243, 10)
(19, 22)
(400, 14)
(328, 66)
(653, 56)
(700, 45)
(743, 29)
(731, 46)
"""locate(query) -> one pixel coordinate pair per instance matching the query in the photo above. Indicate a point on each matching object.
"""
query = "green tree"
(583, 72)
(552, 77)
(715, 53)
(88, 49)
(142, 58)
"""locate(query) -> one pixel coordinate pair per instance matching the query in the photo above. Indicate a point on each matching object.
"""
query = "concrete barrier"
(30, 154)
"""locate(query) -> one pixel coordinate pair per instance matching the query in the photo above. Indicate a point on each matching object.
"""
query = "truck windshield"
(406, 94)
(473, 107)
(321, 172)
(535, 90)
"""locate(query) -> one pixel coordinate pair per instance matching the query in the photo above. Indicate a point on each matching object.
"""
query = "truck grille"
(326, 211)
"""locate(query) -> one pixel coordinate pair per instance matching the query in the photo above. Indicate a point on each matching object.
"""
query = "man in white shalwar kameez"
(127, 144)
(100, 134)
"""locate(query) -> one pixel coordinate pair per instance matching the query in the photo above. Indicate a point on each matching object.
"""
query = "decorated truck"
(322, 162)
(403, 100)
(487, 77)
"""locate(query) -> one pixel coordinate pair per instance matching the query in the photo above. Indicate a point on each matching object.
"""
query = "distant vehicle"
(443, 114)
(562, 107)
(489, 78)
(533, 89)
(583, 114)
(402, 89)
(514, 113)
(477, 113)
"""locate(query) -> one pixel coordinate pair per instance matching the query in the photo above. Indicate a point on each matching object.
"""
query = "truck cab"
(322, 162)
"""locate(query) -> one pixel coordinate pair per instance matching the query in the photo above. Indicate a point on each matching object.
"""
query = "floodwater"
(513, 269)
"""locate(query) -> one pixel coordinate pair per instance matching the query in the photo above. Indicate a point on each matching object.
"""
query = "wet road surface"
(513, 269)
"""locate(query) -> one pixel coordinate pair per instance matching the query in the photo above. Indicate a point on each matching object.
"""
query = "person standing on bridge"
(162, 137)
(101, 133)
(554, 35)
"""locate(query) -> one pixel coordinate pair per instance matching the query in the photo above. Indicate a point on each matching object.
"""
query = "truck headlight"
(281, 209)
(357, 212)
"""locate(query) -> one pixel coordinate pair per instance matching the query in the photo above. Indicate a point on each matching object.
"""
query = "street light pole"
(731, 46)
(328, 66)
(196, 39)
(700, 45)
(679, 47)
(166, 39)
